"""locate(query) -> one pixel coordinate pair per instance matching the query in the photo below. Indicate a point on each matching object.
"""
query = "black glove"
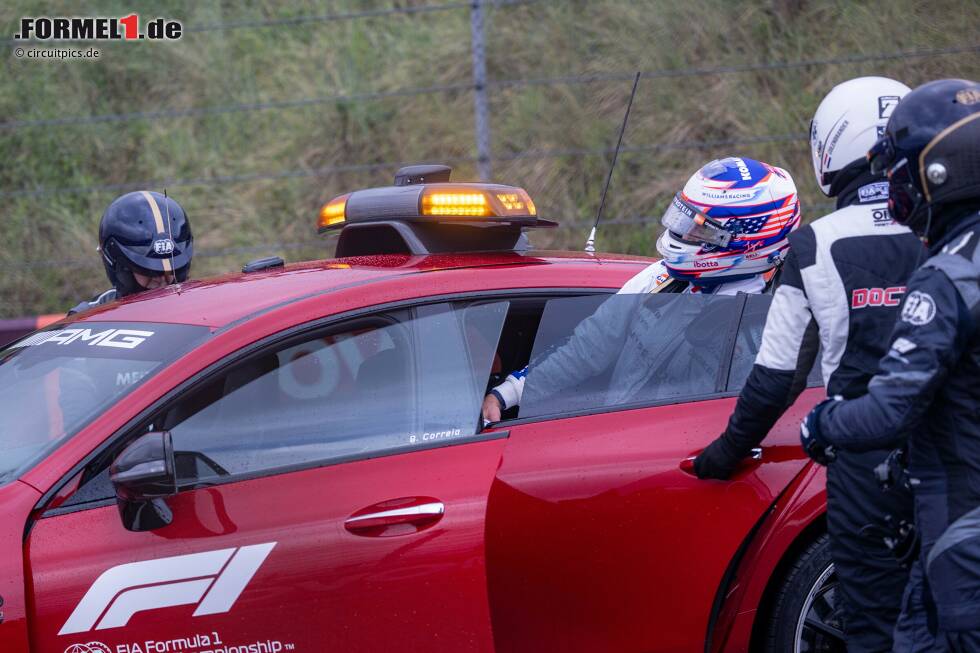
(718, 460)
(814, 444)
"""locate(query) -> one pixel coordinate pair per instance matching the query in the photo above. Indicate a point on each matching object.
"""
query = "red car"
(292, 459)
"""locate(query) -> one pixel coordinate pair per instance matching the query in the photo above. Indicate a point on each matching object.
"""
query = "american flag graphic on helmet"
(765, 225)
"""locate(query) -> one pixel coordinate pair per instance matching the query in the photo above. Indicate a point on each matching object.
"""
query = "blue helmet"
(929, 152)
(148, 233)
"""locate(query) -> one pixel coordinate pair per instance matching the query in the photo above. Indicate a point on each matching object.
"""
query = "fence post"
(481, 104)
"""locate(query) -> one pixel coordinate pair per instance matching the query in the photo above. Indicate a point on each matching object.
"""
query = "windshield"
(54, 382)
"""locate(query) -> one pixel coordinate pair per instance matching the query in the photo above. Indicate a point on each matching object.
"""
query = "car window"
(602, 352)
(69, 375)
(386, 384)
(750, 339)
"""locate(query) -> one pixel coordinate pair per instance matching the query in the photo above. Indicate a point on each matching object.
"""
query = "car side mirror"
(143, 474)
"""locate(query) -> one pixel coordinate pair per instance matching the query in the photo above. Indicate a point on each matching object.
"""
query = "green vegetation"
(249, 65)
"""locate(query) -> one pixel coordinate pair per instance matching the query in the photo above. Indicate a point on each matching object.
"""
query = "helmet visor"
(156, 259)
(904, 199)
(881, 156)
(692, 225)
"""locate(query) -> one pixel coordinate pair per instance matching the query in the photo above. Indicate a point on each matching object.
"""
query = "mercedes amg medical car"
(293, 459)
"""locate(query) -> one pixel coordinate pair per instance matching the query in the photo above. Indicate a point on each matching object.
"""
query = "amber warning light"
(437, 202)
(332, 213)
(477, 202)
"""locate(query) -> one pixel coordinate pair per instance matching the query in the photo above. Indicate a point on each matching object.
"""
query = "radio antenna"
(170, 233)
(590, 243)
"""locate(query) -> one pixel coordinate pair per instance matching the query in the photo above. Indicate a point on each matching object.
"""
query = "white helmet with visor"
(848, 122)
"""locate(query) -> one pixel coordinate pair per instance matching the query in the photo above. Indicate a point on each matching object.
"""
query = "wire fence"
(392, 165)
(468, 86)
(476, 85)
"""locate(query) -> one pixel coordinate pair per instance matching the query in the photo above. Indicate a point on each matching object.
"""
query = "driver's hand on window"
(491, 408)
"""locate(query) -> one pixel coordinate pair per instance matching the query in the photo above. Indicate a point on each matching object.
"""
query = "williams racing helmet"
(146, 233)
(730, 222)
(929, 152)
(847, 123)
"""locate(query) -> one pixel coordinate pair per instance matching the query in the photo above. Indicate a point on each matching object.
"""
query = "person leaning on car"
(146, 243)
(840, 288)
(718, 240)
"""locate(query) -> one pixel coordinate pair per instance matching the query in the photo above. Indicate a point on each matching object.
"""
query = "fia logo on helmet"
(968, 96)
(163, 247)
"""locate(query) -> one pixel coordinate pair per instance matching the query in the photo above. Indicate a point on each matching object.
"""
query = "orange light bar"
(466, 203)
(333, 213)
(518, 202)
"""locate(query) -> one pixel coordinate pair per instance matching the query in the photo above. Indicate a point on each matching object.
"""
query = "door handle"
(396, 517)
(687, 465)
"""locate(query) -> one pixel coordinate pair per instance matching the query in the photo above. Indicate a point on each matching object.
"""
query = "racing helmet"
(148, 233)
(730, 222)
(847, 123)
(929, 152)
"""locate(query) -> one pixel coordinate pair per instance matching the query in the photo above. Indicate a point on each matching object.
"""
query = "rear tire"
(805, 617)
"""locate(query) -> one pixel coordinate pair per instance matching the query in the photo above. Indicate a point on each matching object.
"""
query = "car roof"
(219, 301)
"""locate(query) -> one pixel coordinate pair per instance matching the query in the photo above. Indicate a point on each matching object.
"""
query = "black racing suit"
(840, 289)
(98, 300)
(928, 394)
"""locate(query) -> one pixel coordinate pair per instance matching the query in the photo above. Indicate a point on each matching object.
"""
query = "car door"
(597, 539)
(332, 496)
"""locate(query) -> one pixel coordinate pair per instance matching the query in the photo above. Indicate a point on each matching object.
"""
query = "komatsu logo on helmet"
(743, 169)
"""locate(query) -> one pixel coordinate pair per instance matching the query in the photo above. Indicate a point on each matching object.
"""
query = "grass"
(48, 261)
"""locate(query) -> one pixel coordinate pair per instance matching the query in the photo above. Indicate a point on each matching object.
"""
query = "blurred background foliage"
(252, 176)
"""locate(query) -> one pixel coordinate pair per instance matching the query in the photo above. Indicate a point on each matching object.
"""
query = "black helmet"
(929, 151)
(144, 232)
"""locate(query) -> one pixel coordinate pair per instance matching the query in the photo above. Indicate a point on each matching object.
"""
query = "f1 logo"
(213, 580)
(887, 104)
